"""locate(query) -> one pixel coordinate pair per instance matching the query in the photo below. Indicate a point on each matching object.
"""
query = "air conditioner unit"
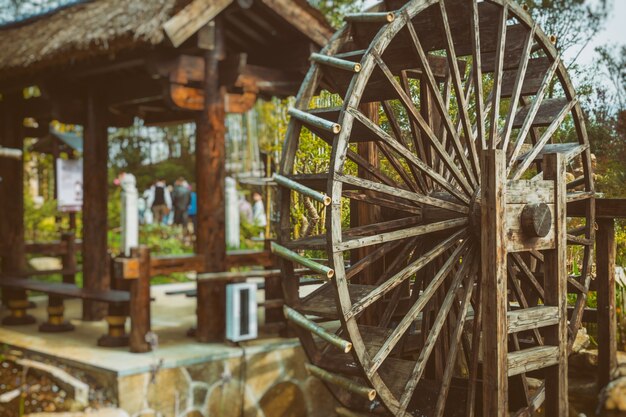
(241, 312)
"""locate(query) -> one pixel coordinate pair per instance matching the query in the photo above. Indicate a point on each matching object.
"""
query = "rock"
(584, 362)
(283, 400)
(103, 412)
(613, 396)
(582, 340)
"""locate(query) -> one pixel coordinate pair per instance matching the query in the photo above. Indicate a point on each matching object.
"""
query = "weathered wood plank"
(193, 17)
(532, 318)
(531, 359)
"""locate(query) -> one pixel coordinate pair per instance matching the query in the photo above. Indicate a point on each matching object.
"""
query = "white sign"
(70, 184)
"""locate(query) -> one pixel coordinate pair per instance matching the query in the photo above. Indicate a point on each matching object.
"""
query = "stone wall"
(263, 382)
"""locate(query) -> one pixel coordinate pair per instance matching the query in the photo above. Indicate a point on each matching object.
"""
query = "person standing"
(192, 212)
(181, 197)
(258, 212)
(159, 201)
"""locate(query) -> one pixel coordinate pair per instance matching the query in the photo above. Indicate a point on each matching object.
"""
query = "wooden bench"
(57, 292)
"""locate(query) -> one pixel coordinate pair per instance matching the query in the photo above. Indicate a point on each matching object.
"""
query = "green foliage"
(335, 10)
(39, 221)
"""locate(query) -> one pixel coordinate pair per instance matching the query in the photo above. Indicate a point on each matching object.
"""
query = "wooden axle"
(302, 189)
(342, 382)
(315, 121)
(285, 253)
(299, 319)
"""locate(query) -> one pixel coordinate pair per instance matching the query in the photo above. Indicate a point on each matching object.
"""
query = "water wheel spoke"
(406, 272)
(371, 169)
(408, 155)
(382, 237)
(521, 299)
(497, 76)
(465, 164)
(397, 132)
(528, 274)
(478, 76)
(517, 88)
(371, 257)
(545, 137)
(377, 199)
(433, 336)
(455, 342)
(416, 309)
(532, 112)
(400, 193)
(460, 95)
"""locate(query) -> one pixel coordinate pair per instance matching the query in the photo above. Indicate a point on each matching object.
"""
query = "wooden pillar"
(362, 213)
(273, 290)
(555, 286)
(494, 285)
(140, 302)
(210, 175)
(12, 211)
(95, 157)
(605, 268)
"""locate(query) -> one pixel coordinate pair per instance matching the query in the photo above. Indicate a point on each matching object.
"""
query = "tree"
(574, 23)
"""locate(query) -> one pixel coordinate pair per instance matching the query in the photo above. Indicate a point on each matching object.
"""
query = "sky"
(614, 33)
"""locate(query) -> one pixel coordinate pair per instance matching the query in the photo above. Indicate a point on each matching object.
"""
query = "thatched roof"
(88, 28)
(84, 29)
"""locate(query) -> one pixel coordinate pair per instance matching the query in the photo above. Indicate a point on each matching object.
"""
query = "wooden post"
(555, 285)
(140, 302)
(12, 214)
(273, 291)
(95, 156)
(493, 253)
(56, 322)
(605, 268)
(210, 175)
(362, 213)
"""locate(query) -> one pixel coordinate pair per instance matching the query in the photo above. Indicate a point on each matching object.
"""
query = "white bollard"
(130, 214)
(232, 214)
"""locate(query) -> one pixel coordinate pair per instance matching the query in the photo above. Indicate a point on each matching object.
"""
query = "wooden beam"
(192, 18)
(493, 249)
(605, 266)
(210, 176)
(95, 185)
(12, 197)
(302, 20)
(609, 208)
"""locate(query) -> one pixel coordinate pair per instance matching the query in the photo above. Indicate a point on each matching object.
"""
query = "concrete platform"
(181, 376)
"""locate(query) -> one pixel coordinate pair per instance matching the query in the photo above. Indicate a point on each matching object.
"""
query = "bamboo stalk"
(299, 319)
(10, 153)
(302, 189)
(285, 253)
(384, 17)
(344, 412)
(336, 62)
(315, 121)
(341, 381)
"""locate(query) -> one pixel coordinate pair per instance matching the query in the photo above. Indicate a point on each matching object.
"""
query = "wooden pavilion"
(101, 63)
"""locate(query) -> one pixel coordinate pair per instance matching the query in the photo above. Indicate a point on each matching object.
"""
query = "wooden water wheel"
(444, 196)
